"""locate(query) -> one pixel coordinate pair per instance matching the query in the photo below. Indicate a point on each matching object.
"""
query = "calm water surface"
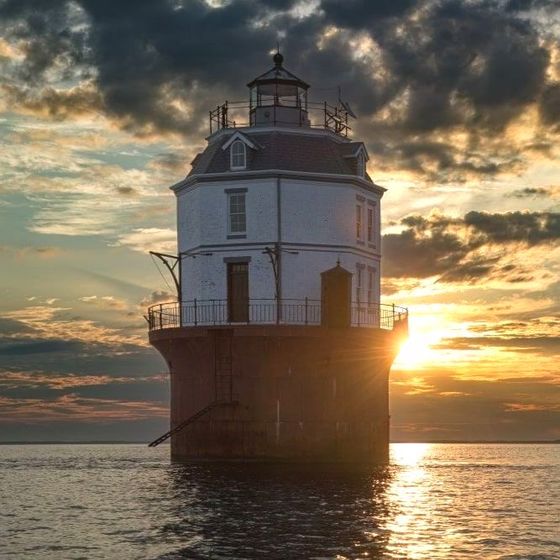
(129, 502)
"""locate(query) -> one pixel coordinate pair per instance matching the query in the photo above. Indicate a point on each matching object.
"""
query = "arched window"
(361, 165)
(238, 155)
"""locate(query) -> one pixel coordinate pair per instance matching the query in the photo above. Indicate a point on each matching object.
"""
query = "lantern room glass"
(278, 94)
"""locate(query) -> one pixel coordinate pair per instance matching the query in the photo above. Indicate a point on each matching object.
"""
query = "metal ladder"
(185, 423)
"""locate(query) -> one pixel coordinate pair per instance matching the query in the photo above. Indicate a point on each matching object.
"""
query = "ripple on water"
(126, 501)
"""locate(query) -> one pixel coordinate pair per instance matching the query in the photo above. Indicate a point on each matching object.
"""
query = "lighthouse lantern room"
(278, 346)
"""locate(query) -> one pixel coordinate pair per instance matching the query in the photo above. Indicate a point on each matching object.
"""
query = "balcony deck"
(306, 312)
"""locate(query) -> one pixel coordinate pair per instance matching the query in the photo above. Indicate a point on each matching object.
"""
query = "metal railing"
(233, 114)
(266, 312)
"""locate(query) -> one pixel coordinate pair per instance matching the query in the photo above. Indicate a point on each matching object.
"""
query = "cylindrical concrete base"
(280, 393)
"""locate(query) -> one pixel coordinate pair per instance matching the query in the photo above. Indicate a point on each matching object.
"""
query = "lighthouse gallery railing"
(267, 312)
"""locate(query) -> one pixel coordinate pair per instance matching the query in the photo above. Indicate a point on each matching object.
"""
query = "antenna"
(345, 105)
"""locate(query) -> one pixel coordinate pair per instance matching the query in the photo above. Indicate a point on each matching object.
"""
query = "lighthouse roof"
(281, 150)
(278, 74)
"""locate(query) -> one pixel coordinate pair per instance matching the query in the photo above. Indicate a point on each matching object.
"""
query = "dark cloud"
(359, 14)
(411, 254)
(439, 65)
(549, 345)
(170, 161)
(550, 104)
(12, 327)
(49, 37)
(530, 192)
(126, 191)
(59, 105)
(26, 347)
(438, 245)
(523, 408)
(526, 5)
(539, 325)
(483, 64)
(526, 227)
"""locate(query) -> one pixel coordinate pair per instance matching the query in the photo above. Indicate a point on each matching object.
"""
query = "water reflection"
(410, 496)
(489, 502)
(262, 511)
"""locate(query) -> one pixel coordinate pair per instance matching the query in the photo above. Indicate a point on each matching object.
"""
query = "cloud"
(474, 409)
(13, 327)
(536, 192)
(159, 296)
(548, 345)
(24, 348)
(73, 407)
(105, 302)
(18, 379)
(149, 239)
(105, 100)
(530, 407)
(42, 252)
(550, 104)
(468, 248)
(127, 191)
(418, 72)
(536, 327)
(525, 227)
(80, 100)
(55, 327)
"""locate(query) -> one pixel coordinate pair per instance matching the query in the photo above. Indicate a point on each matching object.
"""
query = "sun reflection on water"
(433, 502)
(409, 494)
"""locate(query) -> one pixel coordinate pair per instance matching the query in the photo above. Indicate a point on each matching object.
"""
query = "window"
(237, 214)
(359, 274)
(361, 165)
(359, 220)
(238, 155)
(370, 276)
(370, 224)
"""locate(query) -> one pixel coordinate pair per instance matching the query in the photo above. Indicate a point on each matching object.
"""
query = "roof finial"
(278, 58)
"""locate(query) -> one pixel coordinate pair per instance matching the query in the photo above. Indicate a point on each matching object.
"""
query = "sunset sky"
(104, 104)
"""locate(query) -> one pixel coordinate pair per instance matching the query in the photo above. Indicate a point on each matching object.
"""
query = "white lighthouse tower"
(278, 346)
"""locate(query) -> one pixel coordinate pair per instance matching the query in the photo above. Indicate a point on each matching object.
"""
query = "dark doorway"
(336, 297)
(238, 292)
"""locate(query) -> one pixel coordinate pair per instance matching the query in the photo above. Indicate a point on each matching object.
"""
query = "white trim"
(361, 148)
(230, 215)
(375, 257)
(239, 136)
(241, 155)
(359, 217)
(226, 176)
(361, 164)
(370, 227)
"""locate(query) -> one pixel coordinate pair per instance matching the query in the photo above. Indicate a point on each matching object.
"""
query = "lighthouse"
(278, 346)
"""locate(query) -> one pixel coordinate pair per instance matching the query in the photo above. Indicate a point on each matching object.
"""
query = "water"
(129, 502)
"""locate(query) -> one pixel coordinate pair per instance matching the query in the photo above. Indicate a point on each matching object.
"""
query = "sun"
(415, 351)
(419, 349)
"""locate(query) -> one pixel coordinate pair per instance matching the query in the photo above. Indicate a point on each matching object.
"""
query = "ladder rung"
(188, 421)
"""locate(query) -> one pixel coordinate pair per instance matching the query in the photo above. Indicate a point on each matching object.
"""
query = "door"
(238, 292)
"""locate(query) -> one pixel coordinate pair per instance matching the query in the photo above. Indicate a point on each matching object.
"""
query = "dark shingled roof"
(285, 151)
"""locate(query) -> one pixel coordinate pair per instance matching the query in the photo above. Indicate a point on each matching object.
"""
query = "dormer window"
(361, 165)
(238, 155)
(237, 145)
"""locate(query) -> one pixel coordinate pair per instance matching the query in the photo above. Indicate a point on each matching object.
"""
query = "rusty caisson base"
(279, 393)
